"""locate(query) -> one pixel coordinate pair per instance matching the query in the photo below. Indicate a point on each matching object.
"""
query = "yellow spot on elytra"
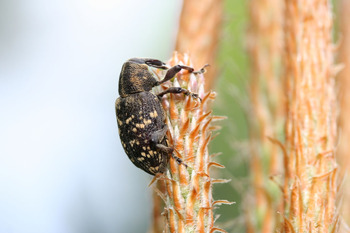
(155, 152)
(143, 154)
(132, 116)
(148, 148)
(140, 159)
(144, 148)
(154, 114)
(147, 122)
(132, 142)
(134, 130)
(151, 153)
(140, 126)
(137, 142)
(128, 120)
(148, 156)
(120, 122)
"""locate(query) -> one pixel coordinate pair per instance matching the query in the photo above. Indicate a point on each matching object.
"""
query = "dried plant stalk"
(188, 191)
(199, 32)
(343, 151)
(158, 223)
(310, 167)
(264, 42)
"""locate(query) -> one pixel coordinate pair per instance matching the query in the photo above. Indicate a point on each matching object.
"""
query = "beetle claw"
(177, 159)
(202, 70)
(195, 96)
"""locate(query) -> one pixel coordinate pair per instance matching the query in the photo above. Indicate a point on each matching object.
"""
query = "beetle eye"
(156, 63)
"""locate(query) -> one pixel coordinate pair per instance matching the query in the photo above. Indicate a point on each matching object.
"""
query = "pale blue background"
(62, 168)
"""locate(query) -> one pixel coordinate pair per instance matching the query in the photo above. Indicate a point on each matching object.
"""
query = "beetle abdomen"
(138, 116)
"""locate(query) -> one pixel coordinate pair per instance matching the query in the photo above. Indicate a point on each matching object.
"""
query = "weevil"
(140, 115)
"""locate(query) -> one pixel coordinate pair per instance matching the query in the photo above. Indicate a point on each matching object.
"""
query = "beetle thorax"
(135, 78)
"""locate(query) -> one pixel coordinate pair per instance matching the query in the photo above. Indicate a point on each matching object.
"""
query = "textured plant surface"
(293, 131)
(187, 192)
(344, 97)
(264, 42)
(310, 187)
(199, 33)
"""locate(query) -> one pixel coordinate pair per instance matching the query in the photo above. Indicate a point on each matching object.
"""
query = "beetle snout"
(150, 62)
(156, 63)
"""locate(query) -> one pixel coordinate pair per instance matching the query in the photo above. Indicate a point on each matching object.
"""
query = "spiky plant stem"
(199, 33)
(343, 151)
(310, 166)
(264, 42)
(188, 190)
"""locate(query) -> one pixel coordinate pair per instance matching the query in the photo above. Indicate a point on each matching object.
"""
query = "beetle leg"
(165, 149)
(176, 69)
(172, 72)
(170, 150)
(202, 70)
(158, 135)
(178, 90)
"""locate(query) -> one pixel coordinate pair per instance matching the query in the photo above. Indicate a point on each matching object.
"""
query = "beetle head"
(136, 76)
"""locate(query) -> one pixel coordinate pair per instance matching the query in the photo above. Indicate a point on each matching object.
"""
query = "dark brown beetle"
(140, 115)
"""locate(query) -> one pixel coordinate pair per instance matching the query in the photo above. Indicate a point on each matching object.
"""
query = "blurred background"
(62, 167)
